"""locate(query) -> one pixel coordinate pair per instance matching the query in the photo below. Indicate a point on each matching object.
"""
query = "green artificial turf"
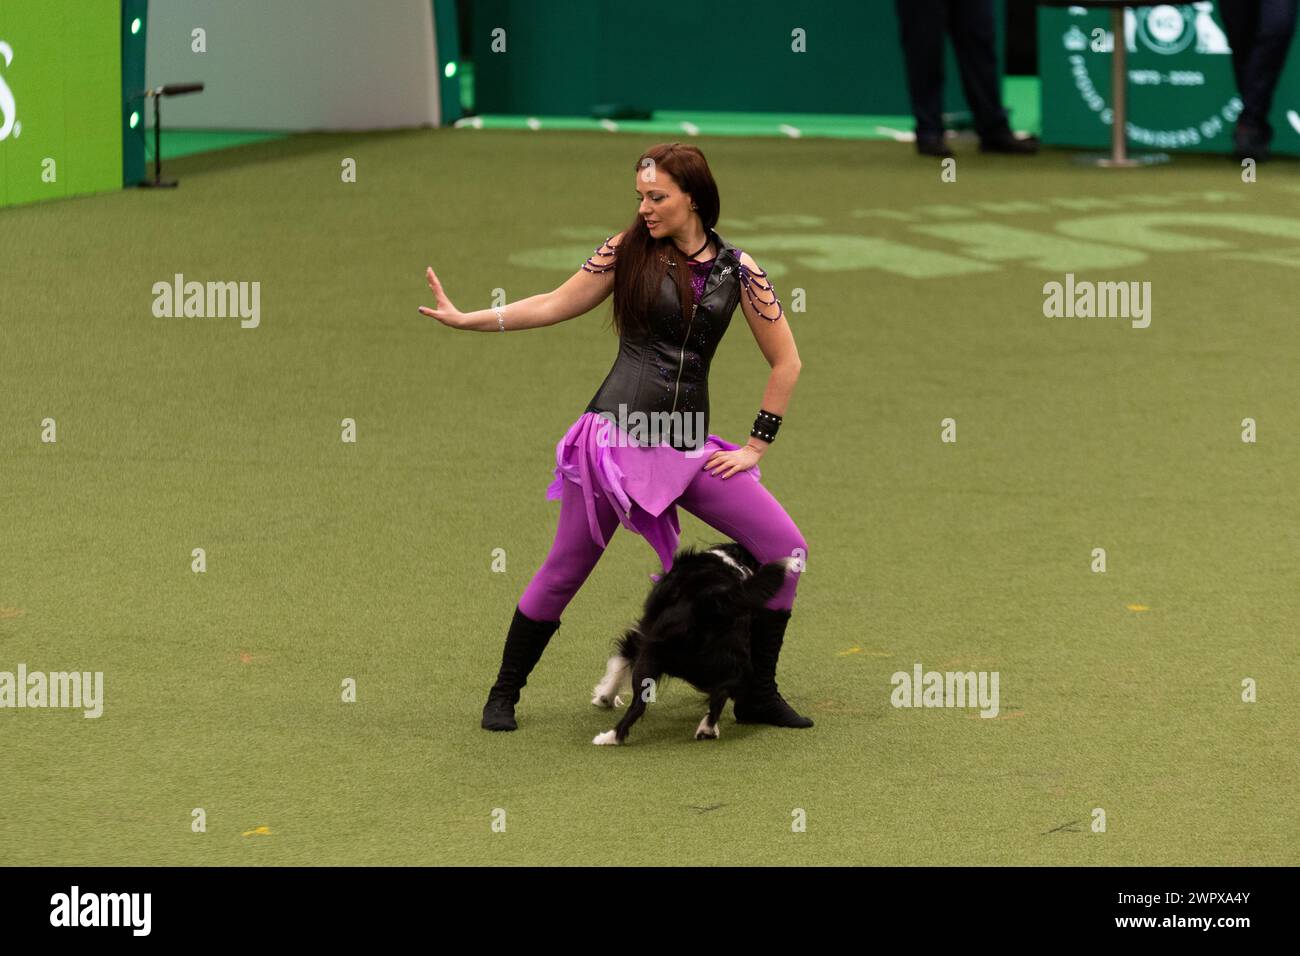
(374, 561)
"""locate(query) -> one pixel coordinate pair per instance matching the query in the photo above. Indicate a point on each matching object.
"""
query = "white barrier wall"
(295, 64)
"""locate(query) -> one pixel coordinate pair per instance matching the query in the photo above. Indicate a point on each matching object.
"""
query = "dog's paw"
(608, 739)
(707, 732)
(608, 701)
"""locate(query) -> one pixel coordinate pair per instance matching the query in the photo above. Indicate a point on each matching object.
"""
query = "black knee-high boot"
(760, 702)
(524, 645)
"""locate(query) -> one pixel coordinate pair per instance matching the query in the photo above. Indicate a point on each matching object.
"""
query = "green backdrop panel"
(563, 57)
(60, 96)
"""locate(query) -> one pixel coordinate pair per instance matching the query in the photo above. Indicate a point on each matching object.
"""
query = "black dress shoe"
(1251, 149)
(932, 146)
(1250, 141)
(1007, 143)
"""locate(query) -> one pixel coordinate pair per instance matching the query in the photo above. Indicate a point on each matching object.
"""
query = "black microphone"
(176, 89)
(171, 89)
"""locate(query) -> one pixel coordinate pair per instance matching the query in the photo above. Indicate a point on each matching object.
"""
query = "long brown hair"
(640, 271)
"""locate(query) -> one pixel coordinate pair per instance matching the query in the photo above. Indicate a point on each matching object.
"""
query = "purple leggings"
(738, 506)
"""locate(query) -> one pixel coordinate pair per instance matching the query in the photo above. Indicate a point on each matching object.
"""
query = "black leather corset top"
(658, 389)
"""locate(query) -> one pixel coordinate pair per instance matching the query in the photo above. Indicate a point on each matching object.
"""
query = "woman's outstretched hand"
(730, 462)
(444, 311)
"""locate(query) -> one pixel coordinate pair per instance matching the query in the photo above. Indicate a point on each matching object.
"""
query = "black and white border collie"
(695, 627)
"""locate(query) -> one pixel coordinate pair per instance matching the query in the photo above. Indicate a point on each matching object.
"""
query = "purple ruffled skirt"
(641, 482)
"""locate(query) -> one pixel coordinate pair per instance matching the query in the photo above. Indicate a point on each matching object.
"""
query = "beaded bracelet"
(766, 426)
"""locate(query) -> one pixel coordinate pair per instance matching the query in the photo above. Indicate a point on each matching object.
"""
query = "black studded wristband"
(766, 425)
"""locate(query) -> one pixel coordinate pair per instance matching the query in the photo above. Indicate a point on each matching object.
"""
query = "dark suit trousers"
(969, 23)
(1259, 32)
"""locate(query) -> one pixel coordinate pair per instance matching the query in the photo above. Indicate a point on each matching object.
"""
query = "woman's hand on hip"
(724, 464)
(444, 311)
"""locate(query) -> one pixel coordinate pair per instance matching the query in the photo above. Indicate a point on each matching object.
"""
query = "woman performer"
(676, 286)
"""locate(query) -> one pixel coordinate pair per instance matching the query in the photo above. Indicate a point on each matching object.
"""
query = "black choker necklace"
(693, 254)
(699, 250)
(673, 262)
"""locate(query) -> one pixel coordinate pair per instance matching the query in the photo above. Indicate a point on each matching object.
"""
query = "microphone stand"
(156, 95)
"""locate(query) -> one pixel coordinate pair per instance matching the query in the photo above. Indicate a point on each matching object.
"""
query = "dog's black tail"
(629, 645)
(766, 581)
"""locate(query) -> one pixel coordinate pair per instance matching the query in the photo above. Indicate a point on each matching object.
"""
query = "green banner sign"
(60, 99)
(1181, 91)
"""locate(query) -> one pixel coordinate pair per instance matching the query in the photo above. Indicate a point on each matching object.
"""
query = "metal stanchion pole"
(1118, 90)
(1119, 156)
